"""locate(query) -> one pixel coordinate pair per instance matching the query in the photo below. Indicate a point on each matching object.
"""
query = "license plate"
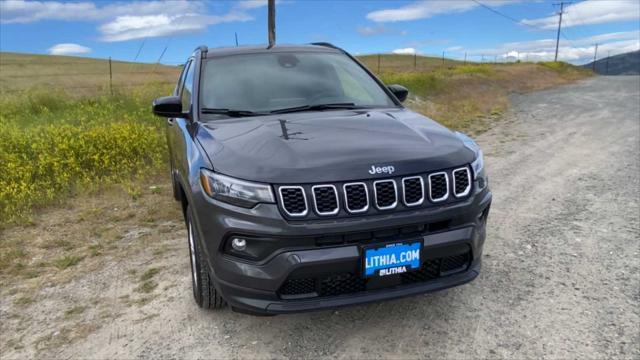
(389, 259)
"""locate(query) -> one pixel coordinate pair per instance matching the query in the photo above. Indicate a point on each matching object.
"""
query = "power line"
(507, 16)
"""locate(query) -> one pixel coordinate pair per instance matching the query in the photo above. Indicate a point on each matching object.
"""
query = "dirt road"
(560, 278)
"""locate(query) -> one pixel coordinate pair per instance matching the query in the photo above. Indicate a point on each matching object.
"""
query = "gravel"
(560, 276)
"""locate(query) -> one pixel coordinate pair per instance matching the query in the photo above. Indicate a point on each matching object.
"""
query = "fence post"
(110, 78)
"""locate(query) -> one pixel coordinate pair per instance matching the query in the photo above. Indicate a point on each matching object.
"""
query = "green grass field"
(64, 130)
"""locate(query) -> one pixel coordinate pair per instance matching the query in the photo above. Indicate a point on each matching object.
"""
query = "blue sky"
(119, 29)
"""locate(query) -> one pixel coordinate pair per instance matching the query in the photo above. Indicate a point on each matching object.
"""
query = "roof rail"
(326, 44)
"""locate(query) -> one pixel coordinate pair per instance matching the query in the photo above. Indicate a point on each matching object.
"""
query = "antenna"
(272, 23)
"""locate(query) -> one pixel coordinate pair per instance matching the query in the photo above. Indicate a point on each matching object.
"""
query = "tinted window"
(270, 81)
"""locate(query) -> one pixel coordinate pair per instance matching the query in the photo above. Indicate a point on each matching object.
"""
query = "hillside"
(622, 64)
(78, 75)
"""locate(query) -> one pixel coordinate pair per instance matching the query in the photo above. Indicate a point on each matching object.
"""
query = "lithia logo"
(381, 170)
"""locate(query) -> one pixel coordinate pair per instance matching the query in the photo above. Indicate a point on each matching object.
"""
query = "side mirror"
(168, 106)
(399, 91)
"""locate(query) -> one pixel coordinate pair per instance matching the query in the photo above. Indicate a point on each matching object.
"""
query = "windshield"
(282, 80)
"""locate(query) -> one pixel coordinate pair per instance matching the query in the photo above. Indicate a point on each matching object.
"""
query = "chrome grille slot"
(293, 199)
(413, 190)
(438, 186)
(386, 194)
(461, 182)
(325, 199)
(356, 197)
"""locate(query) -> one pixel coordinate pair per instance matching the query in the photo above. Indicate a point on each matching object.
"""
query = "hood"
(330, 146)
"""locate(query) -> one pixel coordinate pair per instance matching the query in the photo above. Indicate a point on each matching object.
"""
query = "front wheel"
(204, 293)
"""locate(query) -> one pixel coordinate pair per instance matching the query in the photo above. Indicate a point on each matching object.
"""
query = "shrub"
(52, 145)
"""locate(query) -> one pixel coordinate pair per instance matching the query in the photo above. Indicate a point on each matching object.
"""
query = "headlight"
(235, 191)
(478, 164)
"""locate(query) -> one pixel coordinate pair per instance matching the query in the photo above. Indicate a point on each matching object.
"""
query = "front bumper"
(254, 286)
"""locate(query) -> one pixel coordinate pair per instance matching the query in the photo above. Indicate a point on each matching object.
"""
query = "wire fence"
(94, 77)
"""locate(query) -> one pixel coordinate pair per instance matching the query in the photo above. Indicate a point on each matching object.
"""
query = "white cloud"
(251, 4)
(21, 11)
(136, 27)
(426, 9)
(68, 49)
(591, 12)
(123, 21)
(379, 30)
(372, 30)
(576, 51)
(404, 51)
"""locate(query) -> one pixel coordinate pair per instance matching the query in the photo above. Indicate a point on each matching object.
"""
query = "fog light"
(239, 244)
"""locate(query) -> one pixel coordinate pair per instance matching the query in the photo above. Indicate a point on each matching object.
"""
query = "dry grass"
(82, 76)
(403, 63)
(470, 97)
(83, 234)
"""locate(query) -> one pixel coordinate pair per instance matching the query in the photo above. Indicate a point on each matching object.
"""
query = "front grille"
(455, 263)
(299, 286)
(356, 197)
(293, 200)
(349, 283)
(370, 197)
(461, 182)
(385, 194)
(438, 187)
(338, 284)
(325, 199)
(412, 190)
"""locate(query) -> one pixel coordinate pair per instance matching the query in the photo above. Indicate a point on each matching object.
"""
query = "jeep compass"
(305, 184)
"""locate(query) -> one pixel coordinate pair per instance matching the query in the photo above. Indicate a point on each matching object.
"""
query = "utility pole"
(465, 58)
(415, 61)
(443, 58)
(236, 39)
(271, 23)
(559, 27)
(595, 55)
(608, 55)
(378, 63)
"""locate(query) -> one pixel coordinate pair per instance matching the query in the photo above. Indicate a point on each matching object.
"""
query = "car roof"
(225, 51)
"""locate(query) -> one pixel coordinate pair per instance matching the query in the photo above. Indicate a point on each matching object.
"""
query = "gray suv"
(305, 184)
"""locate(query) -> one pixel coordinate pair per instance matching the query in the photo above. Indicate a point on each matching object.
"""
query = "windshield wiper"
(315, 107)
(231, 112)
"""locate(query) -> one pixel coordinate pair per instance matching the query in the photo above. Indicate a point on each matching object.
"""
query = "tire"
(204, 292)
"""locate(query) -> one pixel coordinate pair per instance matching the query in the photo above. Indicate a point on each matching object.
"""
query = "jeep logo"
(382, 170)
